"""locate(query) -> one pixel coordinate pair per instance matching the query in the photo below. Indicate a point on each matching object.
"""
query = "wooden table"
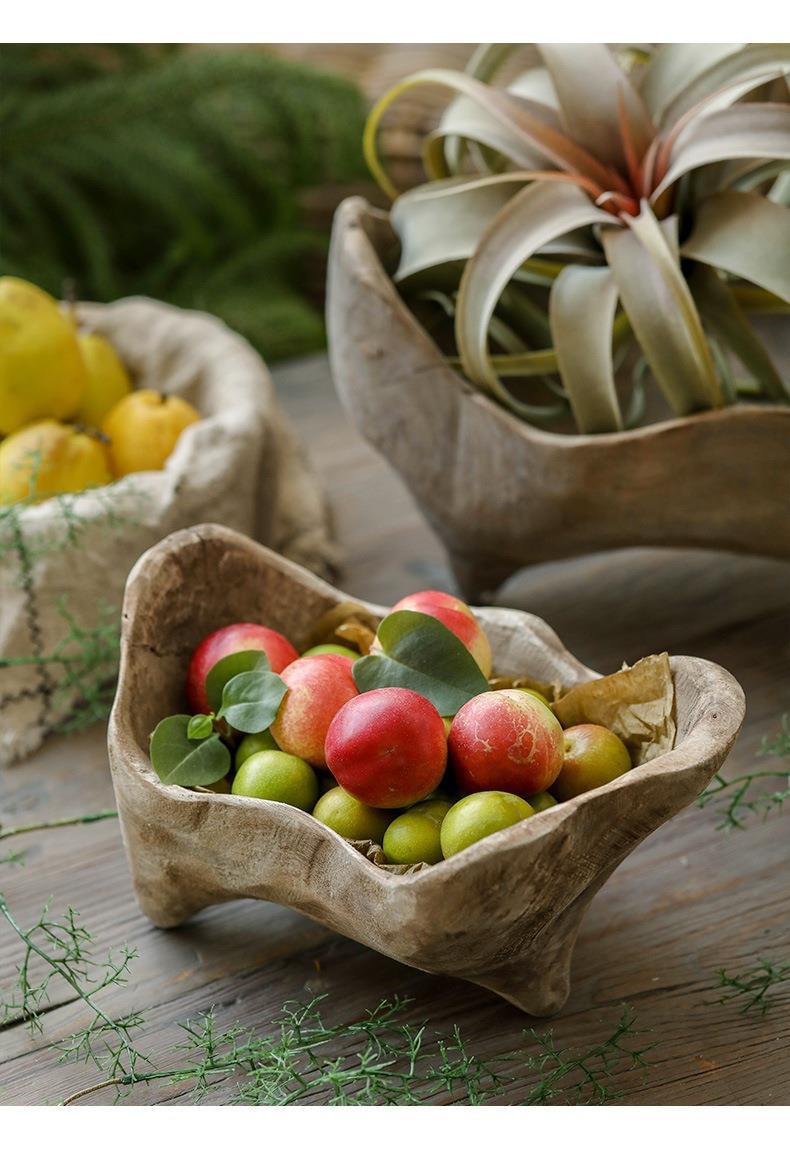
(691, 900)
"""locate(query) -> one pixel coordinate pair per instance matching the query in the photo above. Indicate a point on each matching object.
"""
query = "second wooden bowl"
(502, 494)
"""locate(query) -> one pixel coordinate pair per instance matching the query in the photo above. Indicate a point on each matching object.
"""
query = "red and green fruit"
(279, 776)
(387, 747)
(350, 818)
(318, 687)
(331, 649)
(228, 641)
(415, 836)
(594, 756)
(251, 744)
(505, 741)
(477, 816)
(456, 616)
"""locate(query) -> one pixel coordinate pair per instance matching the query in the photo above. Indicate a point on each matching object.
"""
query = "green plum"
(251, 744)
(479, 815)
(350, 817)
(414, 837)
(277, 775)
(542, 801)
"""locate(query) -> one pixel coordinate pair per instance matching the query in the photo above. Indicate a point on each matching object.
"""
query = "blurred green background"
(206, 177)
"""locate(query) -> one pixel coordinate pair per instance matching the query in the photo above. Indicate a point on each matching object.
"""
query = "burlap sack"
(64, 562)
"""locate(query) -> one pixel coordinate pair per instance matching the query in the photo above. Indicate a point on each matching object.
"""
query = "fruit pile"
(399, 736)
(70, 418)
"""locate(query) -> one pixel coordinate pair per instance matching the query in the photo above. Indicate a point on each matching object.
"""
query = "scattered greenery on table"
(380, 1059)
(176, 172)
(383, 1058)
(755, 987)
(754, 793)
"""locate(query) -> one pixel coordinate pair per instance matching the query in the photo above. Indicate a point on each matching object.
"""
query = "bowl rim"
(350, 218)
(715, 729)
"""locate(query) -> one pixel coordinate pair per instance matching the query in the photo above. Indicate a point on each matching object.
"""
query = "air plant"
(598, 203)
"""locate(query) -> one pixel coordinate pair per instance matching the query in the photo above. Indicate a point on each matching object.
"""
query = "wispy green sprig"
(751, 793)
(383, 1060)
(753, 989)
(59, 950)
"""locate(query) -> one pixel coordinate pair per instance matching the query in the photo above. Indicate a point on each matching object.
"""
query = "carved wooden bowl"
(503, 913)
(502, 494)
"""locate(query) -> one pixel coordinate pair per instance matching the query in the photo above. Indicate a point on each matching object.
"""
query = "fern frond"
(173, 171)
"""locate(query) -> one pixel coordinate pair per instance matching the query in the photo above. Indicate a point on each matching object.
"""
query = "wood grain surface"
(497, 487)
(690, 900)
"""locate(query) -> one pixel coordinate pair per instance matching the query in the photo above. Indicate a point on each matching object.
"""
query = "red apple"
(228, 641)
(387, 747)
(318, 687)
(506, 741)
(456, 616)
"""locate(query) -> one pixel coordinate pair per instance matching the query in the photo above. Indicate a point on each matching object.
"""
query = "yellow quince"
(42, 373)
(48, 458)
(107, 382)
(144, 428)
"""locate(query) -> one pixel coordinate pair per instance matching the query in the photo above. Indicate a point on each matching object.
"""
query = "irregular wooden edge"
(504, 913)
(360, 234)
(493, 487)
(720, 702)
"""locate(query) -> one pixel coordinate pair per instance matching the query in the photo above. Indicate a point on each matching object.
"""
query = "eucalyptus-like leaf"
(591, 86)
(673, 67)
(225, 669)
(719, 309)
(467, 122)
(752, 60)
(200, 727)
(746, 235)
(251, 699)
(420, 653)
(525, 121)
(662, 313)
(582, 308)
(443, 221)
(176, 758)
(536, 215)
(746, 131)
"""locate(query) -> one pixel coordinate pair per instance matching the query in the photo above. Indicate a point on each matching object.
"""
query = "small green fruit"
(476, 816)
(279, 776)
(331, 649)
(414, 837)
(436, 805)
(349, 817)
(252, 744)
(542, 801)
(538, 695)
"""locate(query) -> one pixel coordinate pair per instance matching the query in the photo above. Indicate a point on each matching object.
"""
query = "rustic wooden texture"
(504, 913)
(495, 488)
(691, 899)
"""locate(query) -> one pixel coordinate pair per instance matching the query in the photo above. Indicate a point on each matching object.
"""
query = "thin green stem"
(72, 821)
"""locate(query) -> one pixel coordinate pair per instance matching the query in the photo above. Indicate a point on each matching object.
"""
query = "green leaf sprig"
(245, 694)
(190, 761)
(420, 653)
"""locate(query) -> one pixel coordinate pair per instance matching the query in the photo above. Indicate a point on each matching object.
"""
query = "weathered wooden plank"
(690, 900)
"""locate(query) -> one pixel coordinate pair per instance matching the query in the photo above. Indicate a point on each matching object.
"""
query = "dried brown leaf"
(636, 703)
